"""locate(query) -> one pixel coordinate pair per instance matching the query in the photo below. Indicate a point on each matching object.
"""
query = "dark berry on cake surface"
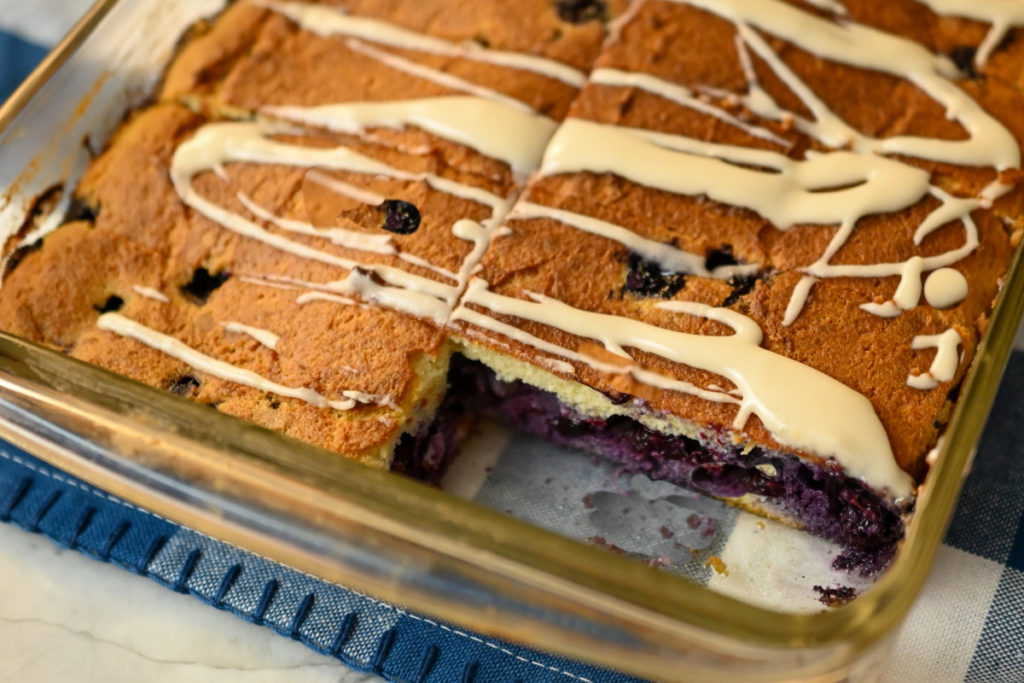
(963, 57)
(723, 256)
(203, 284)
(646, 278)
(581, 11)
(185, 385)
(112, 304)
(400, 217)
(741, 285)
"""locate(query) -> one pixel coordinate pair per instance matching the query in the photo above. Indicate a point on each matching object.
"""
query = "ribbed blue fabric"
(365, 634)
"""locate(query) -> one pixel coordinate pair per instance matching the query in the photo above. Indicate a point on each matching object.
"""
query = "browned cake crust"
(685, 77)
(54, 296)
(252, 57)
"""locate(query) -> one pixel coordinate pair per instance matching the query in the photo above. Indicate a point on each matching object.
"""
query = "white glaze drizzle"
(479, 235)
(263, 283)
(321, 296)
(482, 320)
(424, 263)
(118, 324)
(989, 142)
(806, 410)
(908, 292)
(326, 21)
(151, 293)
(952, 208)
(828, 5)
(680, 95)
(1002, 14)
(359, 283)
(474, 333)
(416, 303)
(248, 142)
(338, 186)
(658, 380)
(665, 255)
(442, 78)
(946, 362)
(798, 300)
(800, 193)
(264, 337)
(838, 187)
(617, 24)
(494, 129)
(375, 244)
(945, 287)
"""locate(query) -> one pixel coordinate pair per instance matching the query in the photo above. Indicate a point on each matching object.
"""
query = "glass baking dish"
(380, 533)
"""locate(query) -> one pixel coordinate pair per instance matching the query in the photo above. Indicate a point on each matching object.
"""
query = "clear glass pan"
(379, 533)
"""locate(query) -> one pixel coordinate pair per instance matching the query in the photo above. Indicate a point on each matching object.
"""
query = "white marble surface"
(43, 22)
(65, 617)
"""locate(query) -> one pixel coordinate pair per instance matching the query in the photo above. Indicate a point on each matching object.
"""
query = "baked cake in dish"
(748, 247)
(224, 230)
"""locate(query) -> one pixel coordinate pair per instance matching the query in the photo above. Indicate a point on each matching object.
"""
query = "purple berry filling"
(425, 455)
(821, 497)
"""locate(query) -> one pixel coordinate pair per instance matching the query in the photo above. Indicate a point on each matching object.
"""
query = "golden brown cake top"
(825, 173)
(783, 221)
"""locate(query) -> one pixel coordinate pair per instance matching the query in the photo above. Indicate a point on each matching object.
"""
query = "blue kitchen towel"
(17, 59)
(366, 634)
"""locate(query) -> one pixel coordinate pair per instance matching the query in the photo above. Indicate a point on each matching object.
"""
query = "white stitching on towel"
(106, 496)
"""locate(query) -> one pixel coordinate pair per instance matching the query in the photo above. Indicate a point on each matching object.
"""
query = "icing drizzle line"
(325, 21)
(264, 337)
(126, 327)
(989, 142)
(946, 362)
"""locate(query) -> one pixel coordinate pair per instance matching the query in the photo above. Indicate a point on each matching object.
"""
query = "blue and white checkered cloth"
(968, 625)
